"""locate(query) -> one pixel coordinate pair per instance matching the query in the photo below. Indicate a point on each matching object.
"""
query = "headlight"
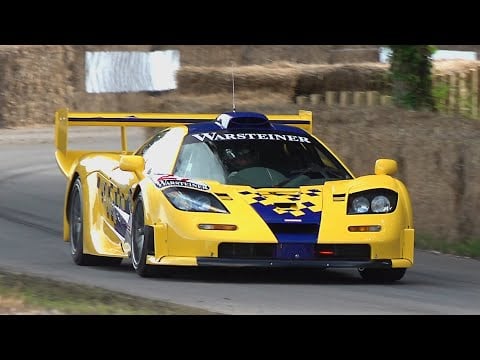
(360, 205)
(193, 200)
(381, 204)
(376, 201)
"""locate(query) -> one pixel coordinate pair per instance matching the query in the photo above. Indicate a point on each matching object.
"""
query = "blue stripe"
(289, 238)
(291, 129)
(295, 252)
(208, 126)
(279, 126)
(271, 217)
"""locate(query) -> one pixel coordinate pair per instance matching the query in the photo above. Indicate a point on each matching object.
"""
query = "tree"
(410, 71)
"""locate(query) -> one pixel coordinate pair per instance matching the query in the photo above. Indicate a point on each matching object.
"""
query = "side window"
(184, 161)
(150, 142)
(197, 161)
(161, 153)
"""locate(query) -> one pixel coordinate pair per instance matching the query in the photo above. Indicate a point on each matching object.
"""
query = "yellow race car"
(237, 189)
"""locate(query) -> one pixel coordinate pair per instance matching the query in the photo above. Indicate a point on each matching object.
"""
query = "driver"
(242, 158)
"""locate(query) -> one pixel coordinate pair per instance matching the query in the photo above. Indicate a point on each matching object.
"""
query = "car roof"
(235, 121)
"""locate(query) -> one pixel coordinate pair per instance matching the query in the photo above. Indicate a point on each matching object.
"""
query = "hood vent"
(223, 196)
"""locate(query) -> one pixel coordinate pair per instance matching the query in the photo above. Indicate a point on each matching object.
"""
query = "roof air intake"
(237, 120)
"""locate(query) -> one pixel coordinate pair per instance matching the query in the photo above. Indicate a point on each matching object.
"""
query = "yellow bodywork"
(177, 238)
(181, 245)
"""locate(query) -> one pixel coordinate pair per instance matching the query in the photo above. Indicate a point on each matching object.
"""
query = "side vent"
(285, 205)
(338, 197)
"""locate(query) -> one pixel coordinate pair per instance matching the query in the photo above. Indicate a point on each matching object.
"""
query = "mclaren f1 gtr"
(237, 189)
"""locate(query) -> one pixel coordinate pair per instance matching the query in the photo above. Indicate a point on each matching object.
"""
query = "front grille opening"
(246, 251)
(295, 251)
(354, 252)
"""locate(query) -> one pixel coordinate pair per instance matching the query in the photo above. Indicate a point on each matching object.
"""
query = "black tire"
(76, 232)
(382, 275)
(139, 241)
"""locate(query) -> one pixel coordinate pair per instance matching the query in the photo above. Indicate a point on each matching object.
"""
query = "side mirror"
(132, 163)
(386, 167)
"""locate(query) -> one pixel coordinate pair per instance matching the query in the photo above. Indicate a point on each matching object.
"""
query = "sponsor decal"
(120, 221)
(213, 136)
(172, 180)
(116, 205)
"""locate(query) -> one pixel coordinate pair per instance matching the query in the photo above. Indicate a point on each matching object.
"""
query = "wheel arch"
(136, 192)
(149, 204)
(66, 210)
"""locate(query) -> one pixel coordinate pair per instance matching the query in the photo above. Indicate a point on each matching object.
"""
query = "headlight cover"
(375, 201)
(193, 200)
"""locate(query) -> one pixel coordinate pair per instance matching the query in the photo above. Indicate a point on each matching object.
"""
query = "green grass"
(41, 294)
(466, 247)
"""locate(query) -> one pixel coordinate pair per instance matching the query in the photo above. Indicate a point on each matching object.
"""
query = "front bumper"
(255, 263)
(376, 253)
(277, 263)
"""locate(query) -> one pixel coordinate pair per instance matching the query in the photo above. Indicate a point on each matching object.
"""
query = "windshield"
(258, 159)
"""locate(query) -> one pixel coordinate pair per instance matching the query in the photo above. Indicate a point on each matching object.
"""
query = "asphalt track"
(31, 199)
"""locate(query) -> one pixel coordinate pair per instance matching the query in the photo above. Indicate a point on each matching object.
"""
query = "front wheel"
(139, 240)
(382, 275)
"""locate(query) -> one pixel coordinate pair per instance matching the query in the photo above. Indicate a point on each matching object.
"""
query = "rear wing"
(65, 119)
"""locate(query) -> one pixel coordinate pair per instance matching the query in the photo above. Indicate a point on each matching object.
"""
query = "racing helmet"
(240, 157)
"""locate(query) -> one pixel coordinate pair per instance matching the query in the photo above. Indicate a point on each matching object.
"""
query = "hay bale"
(35, 83)
(278, 78)
(354, 55)
(242, 55)
(343, 77)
